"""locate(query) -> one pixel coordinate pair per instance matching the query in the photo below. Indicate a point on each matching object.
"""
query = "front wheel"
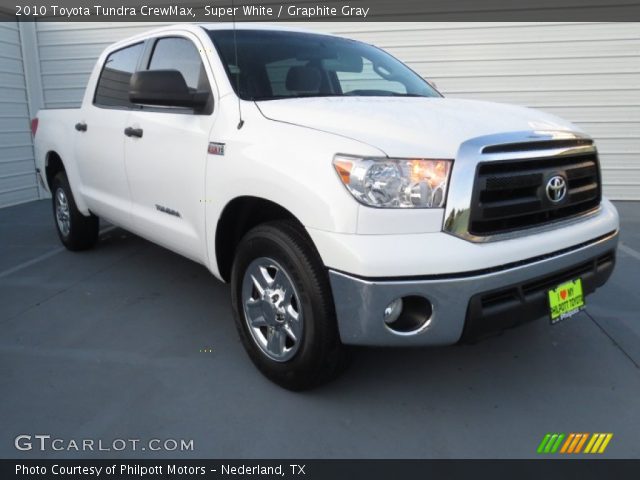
(76, 231)
(283, 307)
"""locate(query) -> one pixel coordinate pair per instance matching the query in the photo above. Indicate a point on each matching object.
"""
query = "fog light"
(408, 315)
(393, 311)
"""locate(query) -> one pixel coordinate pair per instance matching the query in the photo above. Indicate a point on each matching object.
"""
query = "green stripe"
(547, 449)
(554, 449)
(544, 442)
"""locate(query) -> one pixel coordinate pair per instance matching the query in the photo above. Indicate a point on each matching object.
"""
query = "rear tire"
(76, 231)
(283, 307)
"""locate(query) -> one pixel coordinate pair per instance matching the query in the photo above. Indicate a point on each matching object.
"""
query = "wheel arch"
(240, 215)
(53, 165)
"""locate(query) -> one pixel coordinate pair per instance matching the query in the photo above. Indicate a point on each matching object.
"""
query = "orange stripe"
(567, 442)
(574, 443)
(584, 439)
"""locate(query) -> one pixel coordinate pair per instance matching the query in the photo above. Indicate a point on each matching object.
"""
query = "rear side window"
(180, 54)
(113, 85)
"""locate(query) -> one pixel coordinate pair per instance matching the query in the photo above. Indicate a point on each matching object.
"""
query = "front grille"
(511, 195)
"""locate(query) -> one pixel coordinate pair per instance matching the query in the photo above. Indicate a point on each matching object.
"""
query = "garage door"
(17, 168)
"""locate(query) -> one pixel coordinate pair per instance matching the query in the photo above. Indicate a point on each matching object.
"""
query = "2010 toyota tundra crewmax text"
(342, 197)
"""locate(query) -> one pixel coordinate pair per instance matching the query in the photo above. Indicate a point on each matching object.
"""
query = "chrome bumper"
(360, 303)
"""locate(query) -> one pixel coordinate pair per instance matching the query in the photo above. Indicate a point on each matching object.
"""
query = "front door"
(166, 156)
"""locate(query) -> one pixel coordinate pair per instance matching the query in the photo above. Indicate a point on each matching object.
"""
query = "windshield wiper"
(284, 97)
(408, 95)
(320, 95)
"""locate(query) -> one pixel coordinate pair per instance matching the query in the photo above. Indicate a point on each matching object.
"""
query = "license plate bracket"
(565, 300)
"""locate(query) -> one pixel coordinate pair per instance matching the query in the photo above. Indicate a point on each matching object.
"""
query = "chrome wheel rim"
(272, 309)
(63, 217)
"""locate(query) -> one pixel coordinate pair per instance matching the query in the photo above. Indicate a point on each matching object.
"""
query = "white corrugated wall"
(17, 167)
(586, 72)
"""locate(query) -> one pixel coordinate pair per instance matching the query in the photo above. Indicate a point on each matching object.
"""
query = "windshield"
(280, 64)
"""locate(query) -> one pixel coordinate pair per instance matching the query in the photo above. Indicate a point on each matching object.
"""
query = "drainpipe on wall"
(32, 76)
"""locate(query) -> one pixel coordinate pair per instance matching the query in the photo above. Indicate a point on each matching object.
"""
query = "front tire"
(283, 307)
(76, 231)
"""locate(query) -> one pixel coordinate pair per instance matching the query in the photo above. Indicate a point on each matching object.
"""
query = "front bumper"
(468, 305)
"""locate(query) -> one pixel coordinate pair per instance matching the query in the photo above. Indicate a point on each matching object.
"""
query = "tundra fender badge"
(168, 211)
(216, 148)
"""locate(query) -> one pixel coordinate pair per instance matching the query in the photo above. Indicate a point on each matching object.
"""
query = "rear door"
(99, 147)
(166, 165)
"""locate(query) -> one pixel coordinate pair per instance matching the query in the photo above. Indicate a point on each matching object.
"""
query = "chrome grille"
(510, 195)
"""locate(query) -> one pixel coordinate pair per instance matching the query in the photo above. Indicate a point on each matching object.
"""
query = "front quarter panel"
(283, 163)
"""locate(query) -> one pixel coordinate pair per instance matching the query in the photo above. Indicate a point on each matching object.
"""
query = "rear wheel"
(283, 307)
(76, 231)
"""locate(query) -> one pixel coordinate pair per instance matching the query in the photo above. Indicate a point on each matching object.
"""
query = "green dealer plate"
(566, 300)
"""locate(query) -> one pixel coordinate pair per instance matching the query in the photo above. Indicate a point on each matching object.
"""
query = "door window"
(181, 54)
(113, 85)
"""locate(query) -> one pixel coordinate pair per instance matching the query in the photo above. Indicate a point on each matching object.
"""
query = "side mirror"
(165, 88)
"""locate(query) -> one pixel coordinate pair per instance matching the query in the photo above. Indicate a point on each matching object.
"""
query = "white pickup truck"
(344, 199)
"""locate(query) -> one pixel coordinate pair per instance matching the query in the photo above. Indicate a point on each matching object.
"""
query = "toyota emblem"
(556, 188)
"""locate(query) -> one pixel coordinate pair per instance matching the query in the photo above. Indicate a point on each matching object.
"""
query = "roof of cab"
(255, 26)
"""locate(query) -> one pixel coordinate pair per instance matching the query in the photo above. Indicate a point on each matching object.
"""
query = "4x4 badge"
(216, 148)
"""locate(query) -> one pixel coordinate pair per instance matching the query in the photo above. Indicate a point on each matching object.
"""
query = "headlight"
(393, 182)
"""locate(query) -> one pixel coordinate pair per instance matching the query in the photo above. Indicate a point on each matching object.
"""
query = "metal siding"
(588, 73)
(68, 52)
(17, 166)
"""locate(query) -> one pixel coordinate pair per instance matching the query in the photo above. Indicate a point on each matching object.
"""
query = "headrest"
(303, 79)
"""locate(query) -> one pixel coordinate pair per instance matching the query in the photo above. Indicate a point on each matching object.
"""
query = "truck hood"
(409, 126)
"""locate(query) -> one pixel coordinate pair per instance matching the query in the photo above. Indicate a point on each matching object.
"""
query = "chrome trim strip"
(463, 176)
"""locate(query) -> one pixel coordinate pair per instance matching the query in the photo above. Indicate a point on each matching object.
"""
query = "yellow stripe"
(567, 442)
(598, 442)
(582, 440)
(590, 444)
(574, 443)
(605, 443)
